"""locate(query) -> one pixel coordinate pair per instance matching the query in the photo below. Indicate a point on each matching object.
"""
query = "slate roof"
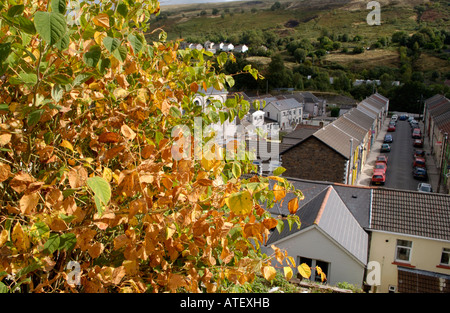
(327, 211)
(337, 139)
(285, 104)
(411, 213)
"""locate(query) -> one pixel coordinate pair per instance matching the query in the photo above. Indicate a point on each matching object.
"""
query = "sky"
(170, 2)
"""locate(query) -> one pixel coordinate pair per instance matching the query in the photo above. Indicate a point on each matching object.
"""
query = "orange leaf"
(5, 139)
(270, 223)
(5, 171)
(101, 20)
(194, 87)
(109, 137)
(293, 205)
(279, 192)
(28, 203)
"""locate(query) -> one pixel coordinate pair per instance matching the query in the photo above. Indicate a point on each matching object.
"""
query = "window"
(403, 250)
(445, 257)
(312, 264)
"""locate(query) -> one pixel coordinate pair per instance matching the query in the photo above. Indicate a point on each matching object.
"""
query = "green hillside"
(324, 38)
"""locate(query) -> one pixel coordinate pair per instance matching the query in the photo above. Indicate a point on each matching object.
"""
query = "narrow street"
(400, 159)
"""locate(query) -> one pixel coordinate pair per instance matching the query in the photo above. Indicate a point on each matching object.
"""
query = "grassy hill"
(276, 24)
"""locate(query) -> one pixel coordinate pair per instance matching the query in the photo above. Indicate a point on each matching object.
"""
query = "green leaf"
(222, 59)
(3, 288)
(57, 92)
(16, 10)
(236, 169)
(81, 78)
(111, 44)
(5, 50)
(66, 218)
(121, 53)
(100, 187)
(42, 228)
(68, 241)
(175, 112)
(122, 9)
(26, 25)
(34, 117)
(50, 25)
(280, 226)
(92, 57)
(58, 6)
(278, 171)
(64, 43)
(52, 244)
(137, 42)
(4, 107)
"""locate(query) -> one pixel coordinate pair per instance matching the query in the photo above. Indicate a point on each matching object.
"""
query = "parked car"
(403, 117)
(380, 166)
(418, 143)
(378, 178)
(419, 162)
(416, 133)
(385, 147)
(394, 118)
(391, 128)
(418, 153)
(388, 138)
(420, 173)
(381, 158)
(414, 124)
(424, 187)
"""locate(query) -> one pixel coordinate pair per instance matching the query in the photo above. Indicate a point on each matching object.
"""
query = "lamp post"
(444, 146)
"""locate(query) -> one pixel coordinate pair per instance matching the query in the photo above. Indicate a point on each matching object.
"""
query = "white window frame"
(445, 251)
(399, 246)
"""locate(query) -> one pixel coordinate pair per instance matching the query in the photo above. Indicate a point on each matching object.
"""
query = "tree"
(94, 168)
(300, 55)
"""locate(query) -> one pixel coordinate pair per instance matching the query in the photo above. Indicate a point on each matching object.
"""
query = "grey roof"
(329, 213)
(412, 213)
(337, 139)
(285, 104)
(356, 198)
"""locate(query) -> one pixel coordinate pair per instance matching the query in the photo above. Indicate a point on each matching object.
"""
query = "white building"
(287, 112)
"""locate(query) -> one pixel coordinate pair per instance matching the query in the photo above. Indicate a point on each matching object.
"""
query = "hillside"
(412, 44)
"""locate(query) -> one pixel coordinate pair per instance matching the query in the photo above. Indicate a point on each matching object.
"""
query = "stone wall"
(313, 160)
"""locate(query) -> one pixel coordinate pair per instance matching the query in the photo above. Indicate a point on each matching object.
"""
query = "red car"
(378, 178)
(419, 162)
(381, 158)
(380, 166)
(391, 128)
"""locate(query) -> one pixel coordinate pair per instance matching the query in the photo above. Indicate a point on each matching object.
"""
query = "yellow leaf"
(288, 272)
(107, 174)
(67, 145)
(240, 203)
(269, 272)
(20, 239)
(120, 93)
(304, 270)
(101, 20)
(3, 237)
(98, 37)
(291, 259)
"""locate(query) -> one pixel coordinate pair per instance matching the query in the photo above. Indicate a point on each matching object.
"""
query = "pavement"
(365, 176)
